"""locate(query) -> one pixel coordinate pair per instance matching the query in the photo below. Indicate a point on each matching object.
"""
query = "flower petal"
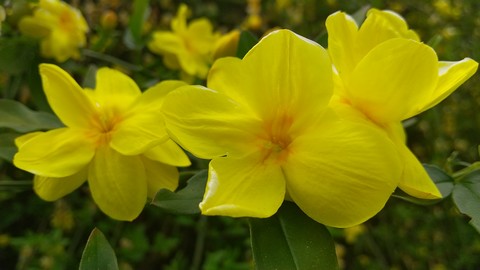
(393, 79)
(283, 71)
(243, 187)
(138, 133)
(34, 27)
(163, 42)
(169, 153)
(159, 176)
(152, 98)
(415, 180)
(52, 189)
(57, 153)
(207, 123)
(342, 32)
(66, 97)
(118, 184)
(343, 173)
(114, 87)
(452, 75)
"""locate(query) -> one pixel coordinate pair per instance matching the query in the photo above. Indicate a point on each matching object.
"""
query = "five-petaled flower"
(384, 75)
(62, 29)
(114, 137)
(264, 122)
(188, 47)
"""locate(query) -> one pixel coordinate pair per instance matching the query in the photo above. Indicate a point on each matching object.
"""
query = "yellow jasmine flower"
(114, 137)
(62, 29)
(187, 47)
(384, 75)
(264, 122)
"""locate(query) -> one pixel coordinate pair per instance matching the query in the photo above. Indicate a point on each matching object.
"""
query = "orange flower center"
(105, 122)
(276, 139)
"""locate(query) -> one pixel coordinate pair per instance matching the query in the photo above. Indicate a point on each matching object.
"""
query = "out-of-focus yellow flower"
(2, 18)
(446, 8)
(227, 45)
(186, 47)
(62, 29)
(109, 19)
(114, 137)
(352, 233)
(386, 75)
(264, 122)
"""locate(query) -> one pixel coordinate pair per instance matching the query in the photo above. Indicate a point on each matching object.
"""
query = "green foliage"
(16, 116)
(98, 253)
(291, 240)
(466, 195)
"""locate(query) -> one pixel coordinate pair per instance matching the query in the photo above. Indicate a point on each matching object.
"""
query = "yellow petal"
(138, 133)
(227, 45)
(52, 189)
(207, 123)
(118, 184)
(201, 37)
(393, 79)
(452, 75)
(21, 140)
(169, 153)
(342, 173)
(243, 187)
(152, 98)
(415, 180)
(285, 72)
(67, 99)
(179, 23)
(380, 26)
(56, 153)
(34, 27)
(342, 33)
(164, 42)
(159, 176)
(112, 85)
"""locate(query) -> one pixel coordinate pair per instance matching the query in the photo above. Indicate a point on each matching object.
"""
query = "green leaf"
(186, 200)
(245, 43)
(7, 146)
(16, 116)
(442, 180)
(16, 54)
(291, 240)
(133, 35)
(466, 196)
(98, 254)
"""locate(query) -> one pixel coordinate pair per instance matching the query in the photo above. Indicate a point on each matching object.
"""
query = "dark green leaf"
(322, 39)
(442, 180)
(20, 118)
(16, 54)
(466, 196)
(186, 200)
(291, 240)
(133, 35)
(245, 43)
(98, 254)
(7, 145)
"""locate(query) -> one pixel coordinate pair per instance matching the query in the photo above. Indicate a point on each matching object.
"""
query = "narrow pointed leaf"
(7, 145)
(291, 240)
(16, 116)
(466, 196)
(98, 254)
(186, 200)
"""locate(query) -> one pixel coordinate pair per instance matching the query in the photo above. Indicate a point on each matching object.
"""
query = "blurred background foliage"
(40, 235)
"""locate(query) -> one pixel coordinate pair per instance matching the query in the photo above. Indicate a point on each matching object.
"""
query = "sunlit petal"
(165, 42)
(343, 174)
(390, 82)
(159, 176)
(113, 84)
(243, 187)
(169, 153)
(52, 189)
(65, 96)
(56, 153)
(152, 98)
(118, 184)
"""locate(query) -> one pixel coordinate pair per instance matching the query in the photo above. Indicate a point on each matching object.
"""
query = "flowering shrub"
(299, 135)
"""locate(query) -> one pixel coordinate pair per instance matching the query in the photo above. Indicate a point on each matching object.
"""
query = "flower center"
(276, 139)
(105, 122)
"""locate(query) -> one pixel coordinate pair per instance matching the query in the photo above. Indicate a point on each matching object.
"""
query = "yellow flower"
(187, 47)
(264, 122)
(2, 18)
(114, 137)
(62, 29)
(386, 75)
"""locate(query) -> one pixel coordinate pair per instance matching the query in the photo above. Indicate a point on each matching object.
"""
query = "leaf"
(16, 54)
(16, 116)
(442, 180)
(186, 200)
(466, 196)
(245, 43)
(291, 240)
(133, 35)
(98, 254)
(7, 146)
